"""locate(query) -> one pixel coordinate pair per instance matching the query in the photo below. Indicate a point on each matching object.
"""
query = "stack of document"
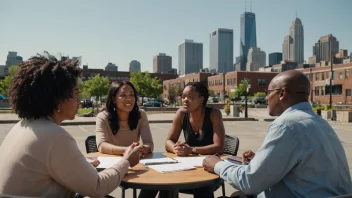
(157, 161)
(192, 161)
(168, 168)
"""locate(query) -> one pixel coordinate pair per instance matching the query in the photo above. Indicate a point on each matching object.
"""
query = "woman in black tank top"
(203, 130)
(202, 127)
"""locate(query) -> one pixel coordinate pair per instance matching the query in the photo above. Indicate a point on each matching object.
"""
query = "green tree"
(241, 89)
(260, 94)
(6, 82)
(211, 93)
(98, 86)
(173, 92)
(145, 85)
(83, 91)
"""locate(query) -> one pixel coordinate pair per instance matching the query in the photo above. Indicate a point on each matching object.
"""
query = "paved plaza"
(250, 133)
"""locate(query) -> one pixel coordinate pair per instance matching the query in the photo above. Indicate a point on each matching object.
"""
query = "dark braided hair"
(201, 89)
(41, 83)
(110, 107)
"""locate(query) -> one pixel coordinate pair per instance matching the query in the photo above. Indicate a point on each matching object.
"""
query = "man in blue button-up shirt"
(301, 155)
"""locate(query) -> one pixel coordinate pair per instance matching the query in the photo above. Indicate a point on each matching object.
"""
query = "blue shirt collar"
(298, 106)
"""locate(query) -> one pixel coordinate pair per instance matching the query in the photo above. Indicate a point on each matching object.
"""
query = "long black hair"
(201, 89)
(111, 108)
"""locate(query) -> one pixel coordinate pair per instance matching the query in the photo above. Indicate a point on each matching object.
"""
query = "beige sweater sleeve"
(68, 166)
(145, 132)
(102, 129)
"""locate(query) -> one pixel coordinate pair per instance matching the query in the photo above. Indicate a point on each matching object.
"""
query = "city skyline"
(101, 37)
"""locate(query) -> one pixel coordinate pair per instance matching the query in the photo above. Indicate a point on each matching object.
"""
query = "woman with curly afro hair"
(38, 157)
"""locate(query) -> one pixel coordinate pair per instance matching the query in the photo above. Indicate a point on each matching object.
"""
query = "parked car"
(86, 104)
(152, 103)
(215, 100)
(259, 100)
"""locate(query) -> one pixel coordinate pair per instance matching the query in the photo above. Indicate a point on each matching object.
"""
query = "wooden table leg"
(168, 194)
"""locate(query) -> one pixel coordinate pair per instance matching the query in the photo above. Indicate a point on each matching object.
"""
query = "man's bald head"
(295, 82)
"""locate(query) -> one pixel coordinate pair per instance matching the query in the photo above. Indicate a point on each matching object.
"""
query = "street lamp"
(246, 101)
(331, 74)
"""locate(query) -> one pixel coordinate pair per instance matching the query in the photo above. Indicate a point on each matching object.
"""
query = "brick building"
(183, 80)
(259, 81)
(320, 84)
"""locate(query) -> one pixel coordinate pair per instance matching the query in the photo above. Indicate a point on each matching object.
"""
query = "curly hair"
(110, 107)
(201, 89)
(41, 83)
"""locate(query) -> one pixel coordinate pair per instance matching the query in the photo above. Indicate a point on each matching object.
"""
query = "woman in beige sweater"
(38, 157)
(122, 123)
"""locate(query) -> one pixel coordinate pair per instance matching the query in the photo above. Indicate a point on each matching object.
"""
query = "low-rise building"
(320, 83)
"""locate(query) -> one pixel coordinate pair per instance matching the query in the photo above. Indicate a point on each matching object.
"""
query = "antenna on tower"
(245, 6)
(296, 13)
(250, 6)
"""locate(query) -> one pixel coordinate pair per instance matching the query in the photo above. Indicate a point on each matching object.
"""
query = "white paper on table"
(107, 162)
(157, 161)
(193, 161)
(168, 168)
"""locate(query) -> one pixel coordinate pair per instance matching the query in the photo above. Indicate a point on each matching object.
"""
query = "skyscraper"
(135, 66)
(190, 57)
(13, 59)
(293, 45)
(322, 48)
(275, 58)
(111, 67)
(248, 36)
(221, 51)
(287, 48)
(162, 63)
(256, 59)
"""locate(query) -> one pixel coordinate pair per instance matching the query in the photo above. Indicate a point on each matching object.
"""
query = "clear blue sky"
(120, 31)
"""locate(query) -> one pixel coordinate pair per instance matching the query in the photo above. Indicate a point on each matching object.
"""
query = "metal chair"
(91, 144)
(231, 146)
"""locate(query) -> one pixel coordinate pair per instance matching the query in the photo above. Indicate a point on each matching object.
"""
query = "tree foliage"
(173, 92)
(211, 93)
(242, 88)
(145, 85)
(5, 83)
(97, 86)
(260, 94)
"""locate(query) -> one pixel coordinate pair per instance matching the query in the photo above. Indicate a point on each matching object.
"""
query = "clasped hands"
(182, 149)
(132, 153)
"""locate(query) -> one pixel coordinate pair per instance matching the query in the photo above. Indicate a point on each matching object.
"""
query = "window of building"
(322, 76)
(348, 92)
(234, 80)
(317, 76)
(336, 90)
(316, 91)
(322, 90)
(340, 75)
(333, 75)
(347, 73)
(261, 82)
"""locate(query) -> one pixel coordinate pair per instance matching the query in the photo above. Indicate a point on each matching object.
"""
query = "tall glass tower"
(248, 37)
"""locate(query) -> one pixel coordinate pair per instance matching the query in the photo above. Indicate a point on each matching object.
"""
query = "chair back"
(231, 145)
(91, 144)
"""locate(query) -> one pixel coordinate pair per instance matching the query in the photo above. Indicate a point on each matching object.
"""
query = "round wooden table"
(141, 177)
